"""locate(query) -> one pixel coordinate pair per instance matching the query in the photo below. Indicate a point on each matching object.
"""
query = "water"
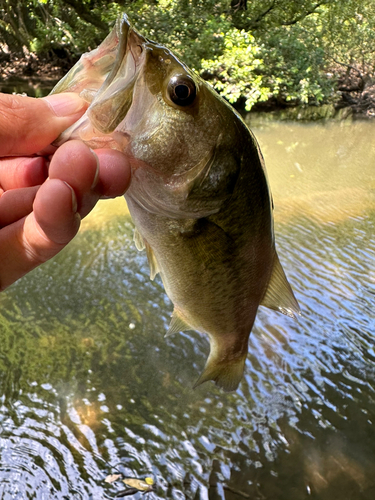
(87, 381)
(32, 86)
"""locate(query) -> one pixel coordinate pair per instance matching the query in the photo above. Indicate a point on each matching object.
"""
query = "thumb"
(28, 125)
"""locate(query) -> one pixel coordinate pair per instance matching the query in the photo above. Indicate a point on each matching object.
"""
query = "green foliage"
(288, 51)
(238, 71)
(348, 37)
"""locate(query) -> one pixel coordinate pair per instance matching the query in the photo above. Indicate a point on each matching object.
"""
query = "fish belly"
(215, 278)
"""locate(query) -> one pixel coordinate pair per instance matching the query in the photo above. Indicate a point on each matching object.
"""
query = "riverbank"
(37, 77)
(31, 65)
(31, 74)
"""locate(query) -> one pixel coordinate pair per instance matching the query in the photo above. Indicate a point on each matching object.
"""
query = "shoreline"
(38, 77)
(31, 66)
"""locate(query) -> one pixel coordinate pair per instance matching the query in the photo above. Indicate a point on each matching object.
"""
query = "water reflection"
(32, 86)
(88, 381)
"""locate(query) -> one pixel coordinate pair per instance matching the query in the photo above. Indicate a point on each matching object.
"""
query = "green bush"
(292, 52)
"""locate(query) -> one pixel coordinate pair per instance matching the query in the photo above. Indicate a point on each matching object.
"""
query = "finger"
(54, 216)
(111, 180)
(22, 172)
(41, 235)
(28, 125)
(16, 204)
(47, 151)
(77, 165)
(114, 178)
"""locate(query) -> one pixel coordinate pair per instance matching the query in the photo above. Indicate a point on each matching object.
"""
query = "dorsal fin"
(279, 294)
(177, 324)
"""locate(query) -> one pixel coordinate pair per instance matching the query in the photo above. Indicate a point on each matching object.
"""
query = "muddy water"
(89, 386)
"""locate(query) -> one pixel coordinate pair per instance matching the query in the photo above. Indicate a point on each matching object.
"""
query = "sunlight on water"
(326, 173)
(89, 386)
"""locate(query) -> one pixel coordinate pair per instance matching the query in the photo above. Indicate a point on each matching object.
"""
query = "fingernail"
(96, 178)
(74, 198)
(66, 104)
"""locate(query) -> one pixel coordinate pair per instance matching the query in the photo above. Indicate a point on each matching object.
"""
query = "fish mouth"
(114, 98)
(105, 77)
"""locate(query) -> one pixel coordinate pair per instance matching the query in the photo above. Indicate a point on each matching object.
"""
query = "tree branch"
(304, 15)
(264, 14)
(349, 66)
(237, 5)
(87, 15)
(253, 24)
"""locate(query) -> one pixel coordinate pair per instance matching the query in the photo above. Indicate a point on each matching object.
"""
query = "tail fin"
(226, 371)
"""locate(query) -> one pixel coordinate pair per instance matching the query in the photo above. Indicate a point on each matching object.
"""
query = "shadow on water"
(88, 381)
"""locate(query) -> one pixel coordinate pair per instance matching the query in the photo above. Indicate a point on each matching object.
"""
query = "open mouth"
(105, 77)
(114, 98)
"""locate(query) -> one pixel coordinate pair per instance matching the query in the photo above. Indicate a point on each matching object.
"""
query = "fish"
(199, 195)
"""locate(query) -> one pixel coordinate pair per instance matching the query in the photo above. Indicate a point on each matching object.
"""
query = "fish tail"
(224, 368)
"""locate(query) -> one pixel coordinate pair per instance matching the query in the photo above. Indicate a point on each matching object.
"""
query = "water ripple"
(90, 387)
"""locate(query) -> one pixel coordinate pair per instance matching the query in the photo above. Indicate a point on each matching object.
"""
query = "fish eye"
(182, 90)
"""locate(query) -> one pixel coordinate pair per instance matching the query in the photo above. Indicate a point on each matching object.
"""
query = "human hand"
(43, 198)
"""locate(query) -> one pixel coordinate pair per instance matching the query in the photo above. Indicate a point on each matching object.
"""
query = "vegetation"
(276, 52)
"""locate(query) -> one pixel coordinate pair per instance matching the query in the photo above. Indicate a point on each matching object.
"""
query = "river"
(89, 386)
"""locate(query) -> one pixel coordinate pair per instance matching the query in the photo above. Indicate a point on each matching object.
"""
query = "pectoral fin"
(279, 295)
(204, 188)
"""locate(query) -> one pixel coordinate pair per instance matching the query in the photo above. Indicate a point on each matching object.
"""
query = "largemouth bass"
(199, 195)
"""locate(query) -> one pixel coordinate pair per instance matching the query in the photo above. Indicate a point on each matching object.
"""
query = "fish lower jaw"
(96, 139)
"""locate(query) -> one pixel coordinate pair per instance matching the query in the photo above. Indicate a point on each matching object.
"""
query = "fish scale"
(199, 196)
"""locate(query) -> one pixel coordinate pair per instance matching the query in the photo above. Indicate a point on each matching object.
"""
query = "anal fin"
(177, 324)
(279, 295)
